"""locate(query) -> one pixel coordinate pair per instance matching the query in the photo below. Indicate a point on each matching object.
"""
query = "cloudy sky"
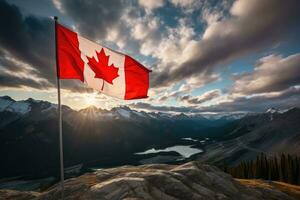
(206, 55)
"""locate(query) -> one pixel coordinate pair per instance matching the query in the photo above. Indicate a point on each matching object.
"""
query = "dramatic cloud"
(17, 74)
(8, 80)
(188, 5)
(185, 51)
(169, 49)
(10, 63)
(144, 30)
(189, 85)
(27, 56)
(150, 107)
(125, 24)
(211, 16)
(199, 81)
(251, 26)
(92, 18)
(281, 100)
(272, 73)
(26, 41)
(196, 100)
(151, 4)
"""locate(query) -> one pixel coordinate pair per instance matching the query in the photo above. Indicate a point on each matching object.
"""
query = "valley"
(93, 141)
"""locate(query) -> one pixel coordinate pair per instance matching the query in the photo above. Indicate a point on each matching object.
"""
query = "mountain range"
(271, 133)
(101, 138)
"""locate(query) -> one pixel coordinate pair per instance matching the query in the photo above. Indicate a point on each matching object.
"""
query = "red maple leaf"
(101, 68)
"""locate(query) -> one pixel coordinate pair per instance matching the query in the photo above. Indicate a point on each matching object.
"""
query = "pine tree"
(276, 169)
(289, 169)
(258, 167)
(298, 171)
(251, 169)
(283, 168)
(270, 169)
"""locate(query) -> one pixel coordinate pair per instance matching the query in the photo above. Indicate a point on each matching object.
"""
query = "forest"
(285, 168)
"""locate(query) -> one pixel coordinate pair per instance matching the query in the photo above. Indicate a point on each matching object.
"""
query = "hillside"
(190, 181)
(269, 133)
(291, 190)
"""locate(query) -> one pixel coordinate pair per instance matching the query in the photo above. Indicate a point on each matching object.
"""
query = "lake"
(183, 150)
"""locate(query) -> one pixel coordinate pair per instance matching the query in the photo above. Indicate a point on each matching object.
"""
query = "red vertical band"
(136, 79)
(70, 63)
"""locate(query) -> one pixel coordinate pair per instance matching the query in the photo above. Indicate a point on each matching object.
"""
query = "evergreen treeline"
(285, 168)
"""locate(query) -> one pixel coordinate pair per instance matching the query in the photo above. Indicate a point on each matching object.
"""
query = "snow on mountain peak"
(272, 110)
(5, 102)
(8, 104)
(19, 107)
(124, 112)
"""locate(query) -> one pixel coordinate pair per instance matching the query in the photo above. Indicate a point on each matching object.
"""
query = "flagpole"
(61, 154)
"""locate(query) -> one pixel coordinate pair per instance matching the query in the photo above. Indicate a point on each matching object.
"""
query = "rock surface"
(190, 181)
(17, 195)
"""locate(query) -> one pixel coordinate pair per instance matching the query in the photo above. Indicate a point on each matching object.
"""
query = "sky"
(207, 56)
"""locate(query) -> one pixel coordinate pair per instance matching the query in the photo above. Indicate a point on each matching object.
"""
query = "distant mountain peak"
(121, 108)
(31, 100)
(6, 98)
(90, 108)
(272, 110)
(181, 116)
(10, 105)
(124, 111)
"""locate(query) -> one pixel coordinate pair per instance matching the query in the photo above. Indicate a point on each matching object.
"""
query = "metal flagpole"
(61, 154)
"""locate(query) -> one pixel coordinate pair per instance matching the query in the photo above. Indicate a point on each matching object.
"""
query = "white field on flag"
(90, 49)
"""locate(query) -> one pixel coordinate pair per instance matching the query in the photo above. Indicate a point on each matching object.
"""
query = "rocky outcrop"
(17, 195)
(190, 181)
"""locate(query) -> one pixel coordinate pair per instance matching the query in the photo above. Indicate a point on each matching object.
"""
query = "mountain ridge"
(6, 102)
(109, 138)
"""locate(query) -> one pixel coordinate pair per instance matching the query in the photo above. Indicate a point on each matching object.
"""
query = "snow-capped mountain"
(226, 116)
(8, 104)
(272, 110)
(29, 133)
(272, 133)
(278, 111)
(119, 113)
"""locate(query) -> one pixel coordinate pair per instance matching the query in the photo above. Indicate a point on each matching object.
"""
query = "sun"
(90, 99)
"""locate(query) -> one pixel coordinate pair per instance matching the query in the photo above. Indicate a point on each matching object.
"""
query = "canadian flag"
(101, 68)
